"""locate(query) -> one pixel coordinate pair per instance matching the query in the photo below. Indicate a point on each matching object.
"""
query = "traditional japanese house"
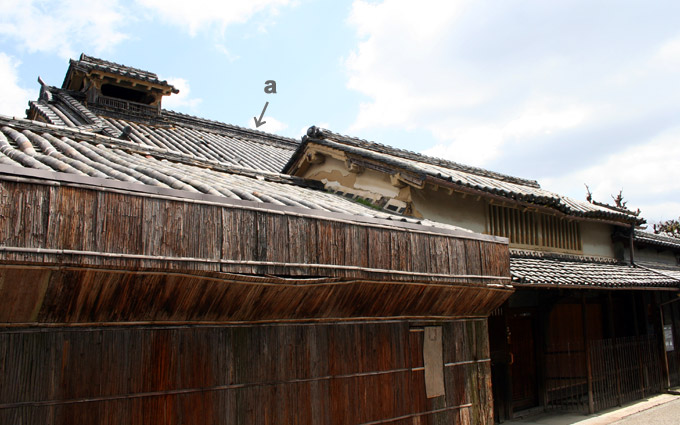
(158, 268)
(583, 329)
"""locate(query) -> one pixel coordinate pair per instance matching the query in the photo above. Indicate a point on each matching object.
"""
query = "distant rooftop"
(441, 171)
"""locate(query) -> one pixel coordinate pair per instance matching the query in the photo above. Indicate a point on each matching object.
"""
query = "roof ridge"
(657, 238)
(232, 127)
(612, 207)
(317, 132)
(201, 123)
(98, 61)
(88, 63)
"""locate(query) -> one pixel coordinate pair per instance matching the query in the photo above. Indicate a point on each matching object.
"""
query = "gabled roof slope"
(437, 170)
(169, 131)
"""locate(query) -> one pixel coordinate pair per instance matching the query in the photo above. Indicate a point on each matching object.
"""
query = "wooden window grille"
(534, 229)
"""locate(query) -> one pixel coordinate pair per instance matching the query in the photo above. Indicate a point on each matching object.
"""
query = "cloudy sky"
(565, 92)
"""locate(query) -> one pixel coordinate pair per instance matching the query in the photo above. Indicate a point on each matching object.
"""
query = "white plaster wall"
(369, 184)
(466, 212)
(596, 239)
(649, 254)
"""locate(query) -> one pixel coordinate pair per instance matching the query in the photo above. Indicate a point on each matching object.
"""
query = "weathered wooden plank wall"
(124, 308)
(104, 228)
(69, 295)
(351, 373)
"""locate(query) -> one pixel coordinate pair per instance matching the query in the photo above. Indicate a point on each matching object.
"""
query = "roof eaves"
(656, 240)
(319, 133)
(505, 189)
(87, 64)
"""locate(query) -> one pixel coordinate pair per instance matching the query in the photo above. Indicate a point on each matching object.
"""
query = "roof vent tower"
(117, 87)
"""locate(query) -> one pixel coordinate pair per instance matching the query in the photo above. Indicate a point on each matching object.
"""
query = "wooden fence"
(305, 374)
(622, 370)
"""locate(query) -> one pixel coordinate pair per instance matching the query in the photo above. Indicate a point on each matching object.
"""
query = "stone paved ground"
(667, 404)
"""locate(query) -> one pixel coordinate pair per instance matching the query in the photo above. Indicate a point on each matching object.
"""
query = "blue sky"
(565, 92)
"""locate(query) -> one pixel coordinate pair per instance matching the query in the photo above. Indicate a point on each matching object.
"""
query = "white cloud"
(231, 57)
(470, 145)
(57, 26)
(509, 73)
(14, 99)
(648, 174)
(197, 15)
(271, 125)
(668, 55)
(181, 100)
(528, 87)
(479, 143)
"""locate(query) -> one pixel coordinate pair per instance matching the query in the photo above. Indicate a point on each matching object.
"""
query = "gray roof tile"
(657, 240)
(539, 268)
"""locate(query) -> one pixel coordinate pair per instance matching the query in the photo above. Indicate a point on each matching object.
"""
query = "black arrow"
(259, 122)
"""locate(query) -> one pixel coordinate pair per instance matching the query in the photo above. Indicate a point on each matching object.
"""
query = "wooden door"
(523, 360)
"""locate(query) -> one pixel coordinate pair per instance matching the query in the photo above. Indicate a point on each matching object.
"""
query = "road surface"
(665, 414)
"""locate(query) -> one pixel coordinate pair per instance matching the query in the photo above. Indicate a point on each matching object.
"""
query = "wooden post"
(612, 332)
(541, 348)
(666, 373)
(507, 391)
(666, 369)
(586, 348)
(638, 342)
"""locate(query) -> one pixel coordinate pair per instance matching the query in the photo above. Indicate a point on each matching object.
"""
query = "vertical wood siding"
(359, 373)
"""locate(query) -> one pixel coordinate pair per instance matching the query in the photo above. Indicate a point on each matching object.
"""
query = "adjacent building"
(583, 300)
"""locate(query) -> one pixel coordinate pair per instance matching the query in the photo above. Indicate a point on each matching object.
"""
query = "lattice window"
(534, 229)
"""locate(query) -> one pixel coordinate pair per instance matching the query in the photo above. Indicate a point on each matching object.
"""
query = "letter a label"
(270, 86)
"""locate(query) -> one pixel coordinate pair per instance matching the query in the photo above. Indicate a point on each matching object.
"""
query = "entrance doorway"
(522, 348)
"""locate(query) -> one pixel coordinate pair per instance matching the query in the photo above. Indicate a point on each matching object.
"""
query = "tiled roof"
(665, 269)
(536, 268)
(320, 133)
(170, 131)
(88, 63)
(33, 145)
(657, 240)
(470, 177)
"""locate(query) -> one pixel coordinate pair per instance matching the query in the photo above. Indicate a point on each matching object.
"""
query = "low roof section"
(659, 242)
(555, 270)
(94, 229)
